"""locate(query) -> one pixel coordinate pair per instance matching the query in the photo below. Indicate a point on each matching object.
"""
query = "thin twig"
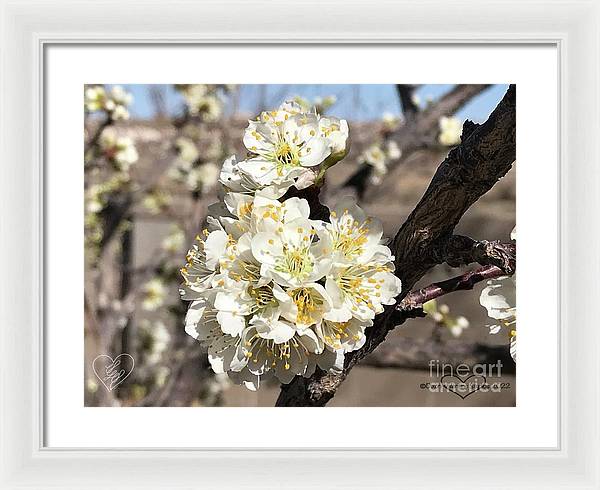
(416, 299)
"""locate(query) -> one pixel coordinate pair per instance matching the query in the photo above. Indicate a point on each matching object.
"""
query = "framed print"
(249, 251)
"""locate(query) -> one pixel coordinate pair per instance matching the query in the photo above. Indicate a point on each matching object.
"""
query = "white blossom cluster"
(203, 100)
(274, 292)
(390, 121)
(156, 201)
(174, 241)
(441, 316)
(154, 294)
(97, 194)
(115, 102)
(450, 130)
(185, 169)
(499, 299)
(421, 104)
(203, 177)
(379, 157)
(120, 151)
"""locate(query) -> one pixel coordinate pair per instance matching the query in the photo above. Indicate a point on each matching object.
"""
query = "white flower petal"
(275, 330)
(214, 248)
(513, 347)
(193, 317)
(231, 323)
(266, 247)
(315, 152)
(260, 169)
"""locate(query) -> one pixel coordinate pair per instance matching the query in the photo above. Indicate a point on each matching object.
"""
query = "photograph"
(299, 245)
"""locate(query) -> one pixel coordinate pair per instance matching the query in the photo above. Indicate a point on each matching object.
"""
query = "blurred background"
(152, 159)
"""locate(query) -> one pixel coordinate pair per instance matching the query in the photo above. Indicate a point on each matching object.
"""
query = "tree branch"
(405, 94)
(486, 154)
(461, 250)
(409, 353)
(420, 129)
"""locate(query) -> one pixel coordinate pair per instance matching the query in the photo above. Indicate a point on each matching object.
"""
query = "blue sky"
(355, 102)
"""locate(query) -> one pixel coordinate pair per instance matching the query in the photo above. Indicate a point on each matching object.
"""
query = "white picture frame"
(27, 28)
